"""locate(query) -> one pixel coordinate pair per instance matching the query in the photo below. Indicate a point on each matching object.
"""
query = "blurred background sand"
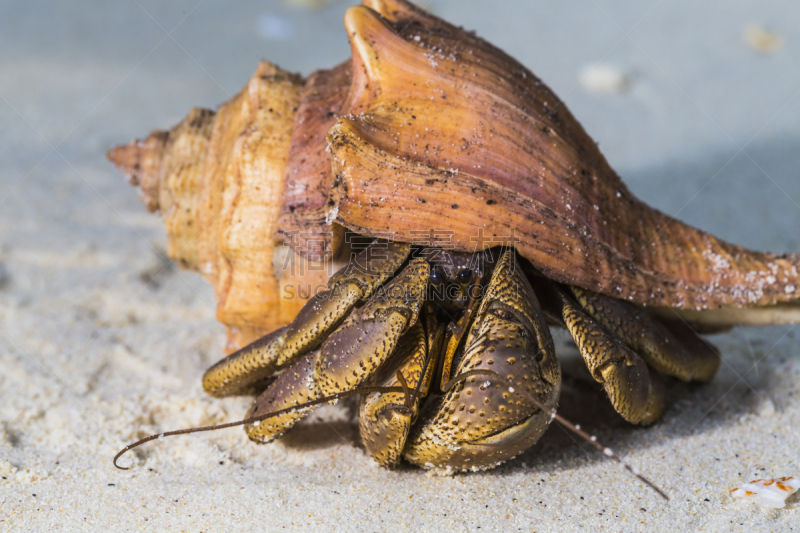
(697, 106)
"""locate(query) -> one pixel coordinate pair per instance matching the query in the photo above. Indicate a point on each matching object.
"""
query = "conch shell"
(433, 136)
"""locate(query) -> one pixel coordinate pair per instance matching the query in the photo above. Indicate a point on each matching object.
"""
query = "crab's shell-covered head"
(427, 135)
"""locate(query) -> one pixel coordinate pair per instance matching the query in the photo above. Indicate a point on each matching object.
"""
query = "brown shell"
(433, 136)
(451, 133)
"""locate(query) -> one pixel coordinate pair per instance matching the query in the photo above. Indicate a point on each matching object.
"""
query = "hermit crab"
(469, 211)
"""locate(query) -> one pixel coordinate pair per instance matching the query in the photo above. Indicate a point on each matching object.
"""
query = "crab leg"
(385, 419)
(679, 353)
(244, 370)
(348, 356)
(635, 391)
(292, 387)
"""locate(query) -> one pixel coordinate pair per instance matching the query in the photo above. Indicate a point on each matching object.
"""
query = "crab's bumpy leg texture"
(369, 335)
(237, 373)
(293, 387)
(384, 419)
(348, 356)
(635, 391)
(481, 422)
(679, 353)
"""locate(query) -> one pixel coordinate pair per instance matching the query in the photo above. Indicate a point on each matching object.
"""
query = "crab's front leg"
(246, 370)
(482, 420)
(348, 356)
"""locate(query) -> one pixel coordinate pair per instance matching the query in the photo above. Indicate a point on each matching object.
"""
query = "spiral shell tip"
(140, 161)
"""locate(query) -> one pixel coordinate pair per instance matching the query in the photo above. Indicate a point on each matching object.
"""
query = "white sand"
(94, 357)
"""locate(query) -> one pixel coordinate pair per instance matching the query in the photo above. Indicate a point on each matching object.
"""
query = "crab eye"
(437, 276)
(464, 275)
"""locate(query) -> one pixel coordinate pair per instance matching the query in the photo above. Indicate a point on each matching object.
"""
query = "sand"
(102, 341)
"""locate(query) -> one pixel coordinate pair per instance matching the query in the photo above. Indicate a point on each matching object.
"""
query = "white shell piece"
(771, 493)
(602, 78)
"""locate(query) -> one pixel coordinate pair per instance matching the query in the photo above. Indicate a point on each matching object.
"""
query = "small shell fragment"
(762, 40)
(309, 4)
(602, 78)
(771, 493)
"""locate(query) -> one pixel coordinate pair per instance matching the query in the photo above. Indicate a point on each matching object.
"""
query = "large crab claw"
(482, 421)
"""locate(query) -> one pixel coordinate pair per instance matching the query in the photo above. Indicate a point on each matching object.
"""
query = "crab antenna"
(259, 418)
(406, 391)
(591, 439)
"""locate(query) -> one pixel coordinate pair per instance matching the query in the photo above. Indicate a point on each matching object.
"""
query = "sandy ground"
(102, 341)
